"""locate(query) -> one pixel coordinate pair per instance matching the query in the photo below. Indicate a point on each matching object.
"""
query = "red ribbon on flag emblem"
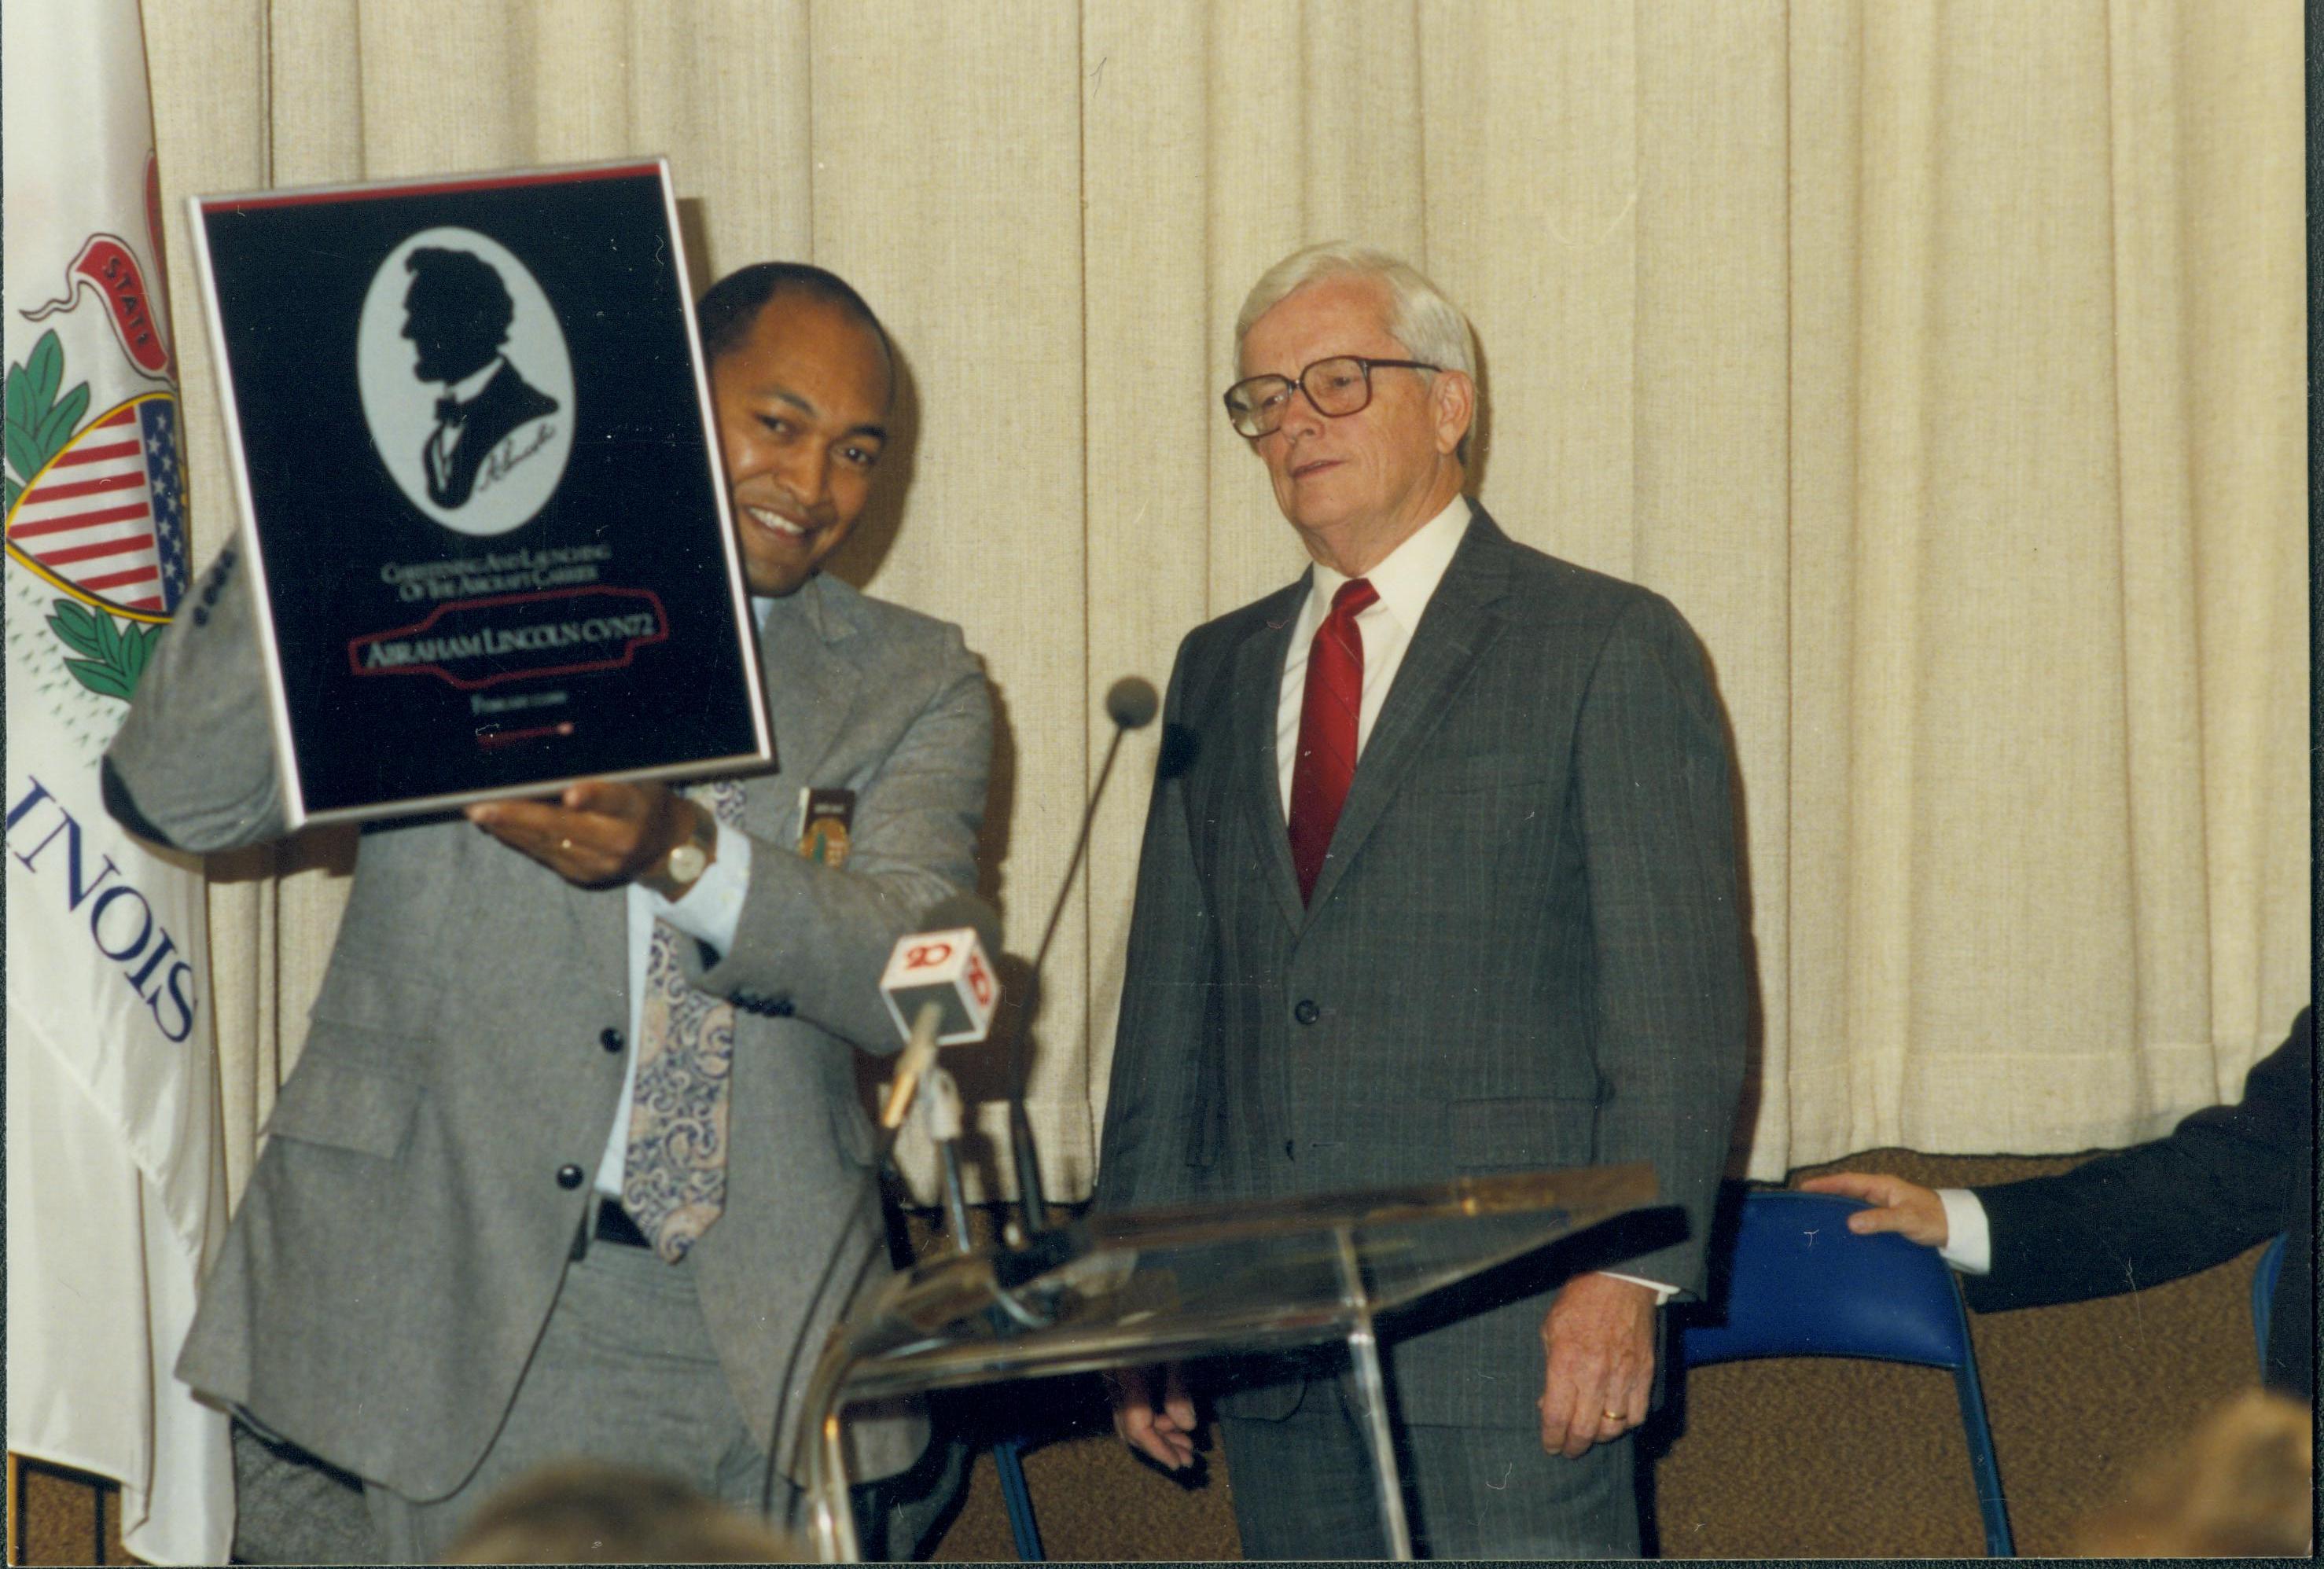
(108, 266)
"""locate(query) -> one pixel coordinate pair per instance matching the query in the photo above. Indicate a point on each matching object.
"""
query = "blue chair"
(1801, 1284)
(2271, 1265)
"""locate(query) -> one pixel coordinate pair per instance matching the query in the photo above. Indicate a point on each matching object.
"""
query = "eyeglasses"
(1338, 386)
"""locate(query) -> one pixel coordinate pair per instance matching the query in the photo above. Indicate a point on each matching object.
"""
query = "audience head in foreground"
(587, 1511)
(2244, 1486)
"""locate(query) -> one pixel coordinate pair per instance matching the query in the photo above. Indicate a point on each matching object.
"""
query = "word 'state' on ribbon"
(107, 265)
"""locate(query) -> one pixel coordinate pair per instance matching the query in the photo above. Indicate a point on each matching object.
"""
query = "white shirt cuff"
(711, 912)
(1662, 1293)
(1969, 1239)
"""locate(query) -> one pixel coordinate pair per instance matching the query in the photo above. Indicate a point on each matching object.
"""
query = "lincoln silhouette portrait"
(457, 315)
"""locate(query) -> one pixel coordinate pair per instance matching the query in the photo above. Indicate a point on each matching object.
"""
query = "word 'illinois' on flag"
(116, 1187)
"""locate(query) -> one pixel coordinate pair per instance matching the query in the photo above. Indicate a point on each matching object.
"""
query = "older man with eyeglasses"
(1449, 886)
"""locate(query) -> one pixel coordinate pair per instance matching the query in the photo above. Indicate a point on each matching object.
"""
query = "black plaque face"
(484, 498)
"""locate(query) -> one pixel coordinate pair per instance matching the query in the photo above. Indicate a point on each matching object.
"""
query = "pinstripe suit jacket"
(408, 1226)
(1524, 950)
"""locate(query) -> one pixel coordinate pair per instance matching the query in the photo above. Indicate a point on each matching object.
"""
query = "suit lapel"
(1456, 628)
(811, 688)
(1257, 777)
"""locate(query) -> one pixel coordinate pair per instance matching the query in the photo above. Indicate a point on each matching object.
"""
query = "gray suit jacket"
(406, 1230)
(1523, 951)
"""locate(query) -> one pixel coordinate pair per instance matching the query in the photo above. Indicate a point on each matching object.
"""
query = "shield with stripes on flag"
(106, 519)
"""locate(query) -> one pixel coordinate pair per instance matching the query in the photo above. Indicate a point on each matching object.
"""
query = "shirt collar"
(1408, 578)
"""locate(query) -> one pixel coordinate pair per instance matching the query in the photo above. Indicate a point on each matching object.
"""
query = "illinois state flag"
(116, 1184)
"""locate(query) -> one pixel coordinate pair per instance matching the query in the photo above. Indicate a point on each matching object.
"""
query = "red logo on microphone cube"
(947, 968)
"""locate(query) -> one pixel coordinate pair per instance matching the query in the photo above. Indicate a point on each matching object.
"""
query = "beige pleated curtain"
(1943, 363)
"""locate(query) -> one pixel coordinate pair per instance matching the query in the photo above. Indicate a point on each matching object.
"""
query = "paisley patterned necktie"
(674, 1181)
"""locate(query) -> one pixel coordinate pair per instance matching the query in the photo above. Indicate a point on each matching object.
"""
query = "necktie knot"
(451, 412)
(1355, 596)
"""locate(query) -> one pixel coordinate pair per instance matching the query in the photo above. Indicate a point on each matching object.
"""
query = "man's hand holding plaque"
(599, 834)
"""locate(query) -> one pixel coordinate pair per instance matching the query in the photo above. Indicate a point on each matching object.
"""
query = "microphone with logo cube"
(941, 990)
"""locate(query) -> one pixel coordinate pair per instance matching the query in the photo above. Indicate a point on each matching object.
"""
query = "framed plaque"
(474, 446)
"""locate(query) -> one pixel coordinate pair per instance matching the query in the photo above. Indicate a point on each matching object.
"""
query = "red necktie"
(1326, 760)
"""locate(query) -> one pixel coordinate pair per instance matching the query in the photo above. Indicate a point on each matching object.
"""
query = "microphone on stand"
(1132, 704)
(940, 1114)
(941, 991)
(944, 983)
(940, 988)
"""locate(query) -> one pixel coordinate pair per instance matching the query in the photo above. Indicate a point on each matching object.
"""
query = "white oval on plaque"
(467, 383)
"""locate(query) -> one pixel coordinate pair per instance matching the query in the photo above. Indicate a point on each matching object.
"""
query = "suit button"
(1306, 1013)
(568, 1177)
(611, 1039)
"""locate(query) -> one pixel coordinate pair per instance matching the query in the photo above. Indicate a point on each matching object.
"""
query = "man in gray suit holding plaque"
(577, 1124)
(1448, 886)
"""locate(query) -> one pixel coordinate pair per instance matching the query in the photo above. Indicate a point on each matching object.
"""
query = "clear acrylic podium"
(1164, 1285)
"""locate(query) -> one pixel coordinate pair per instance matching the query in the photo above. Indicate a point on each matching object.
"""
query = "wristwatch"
(688, 860)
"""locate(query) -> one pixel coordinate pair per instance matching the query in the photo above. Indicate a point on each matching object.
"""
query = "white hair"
(1430, 327)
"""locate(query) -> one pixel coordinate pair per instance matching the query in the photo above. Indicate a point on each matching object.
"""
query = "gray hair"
(1429, 326)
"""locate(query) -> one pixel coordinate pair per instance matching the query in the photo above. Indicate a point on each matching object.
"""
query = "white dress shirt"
(1968, 1235)
(1405, 581)
(709, 912)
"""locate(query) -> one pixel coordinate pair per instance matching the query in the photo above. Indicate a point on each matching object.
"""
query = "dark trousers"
(1303, 1488)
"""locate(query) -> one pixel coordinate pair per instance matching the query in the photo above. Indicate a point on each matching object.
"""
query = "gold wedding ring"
(1613, 1415)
